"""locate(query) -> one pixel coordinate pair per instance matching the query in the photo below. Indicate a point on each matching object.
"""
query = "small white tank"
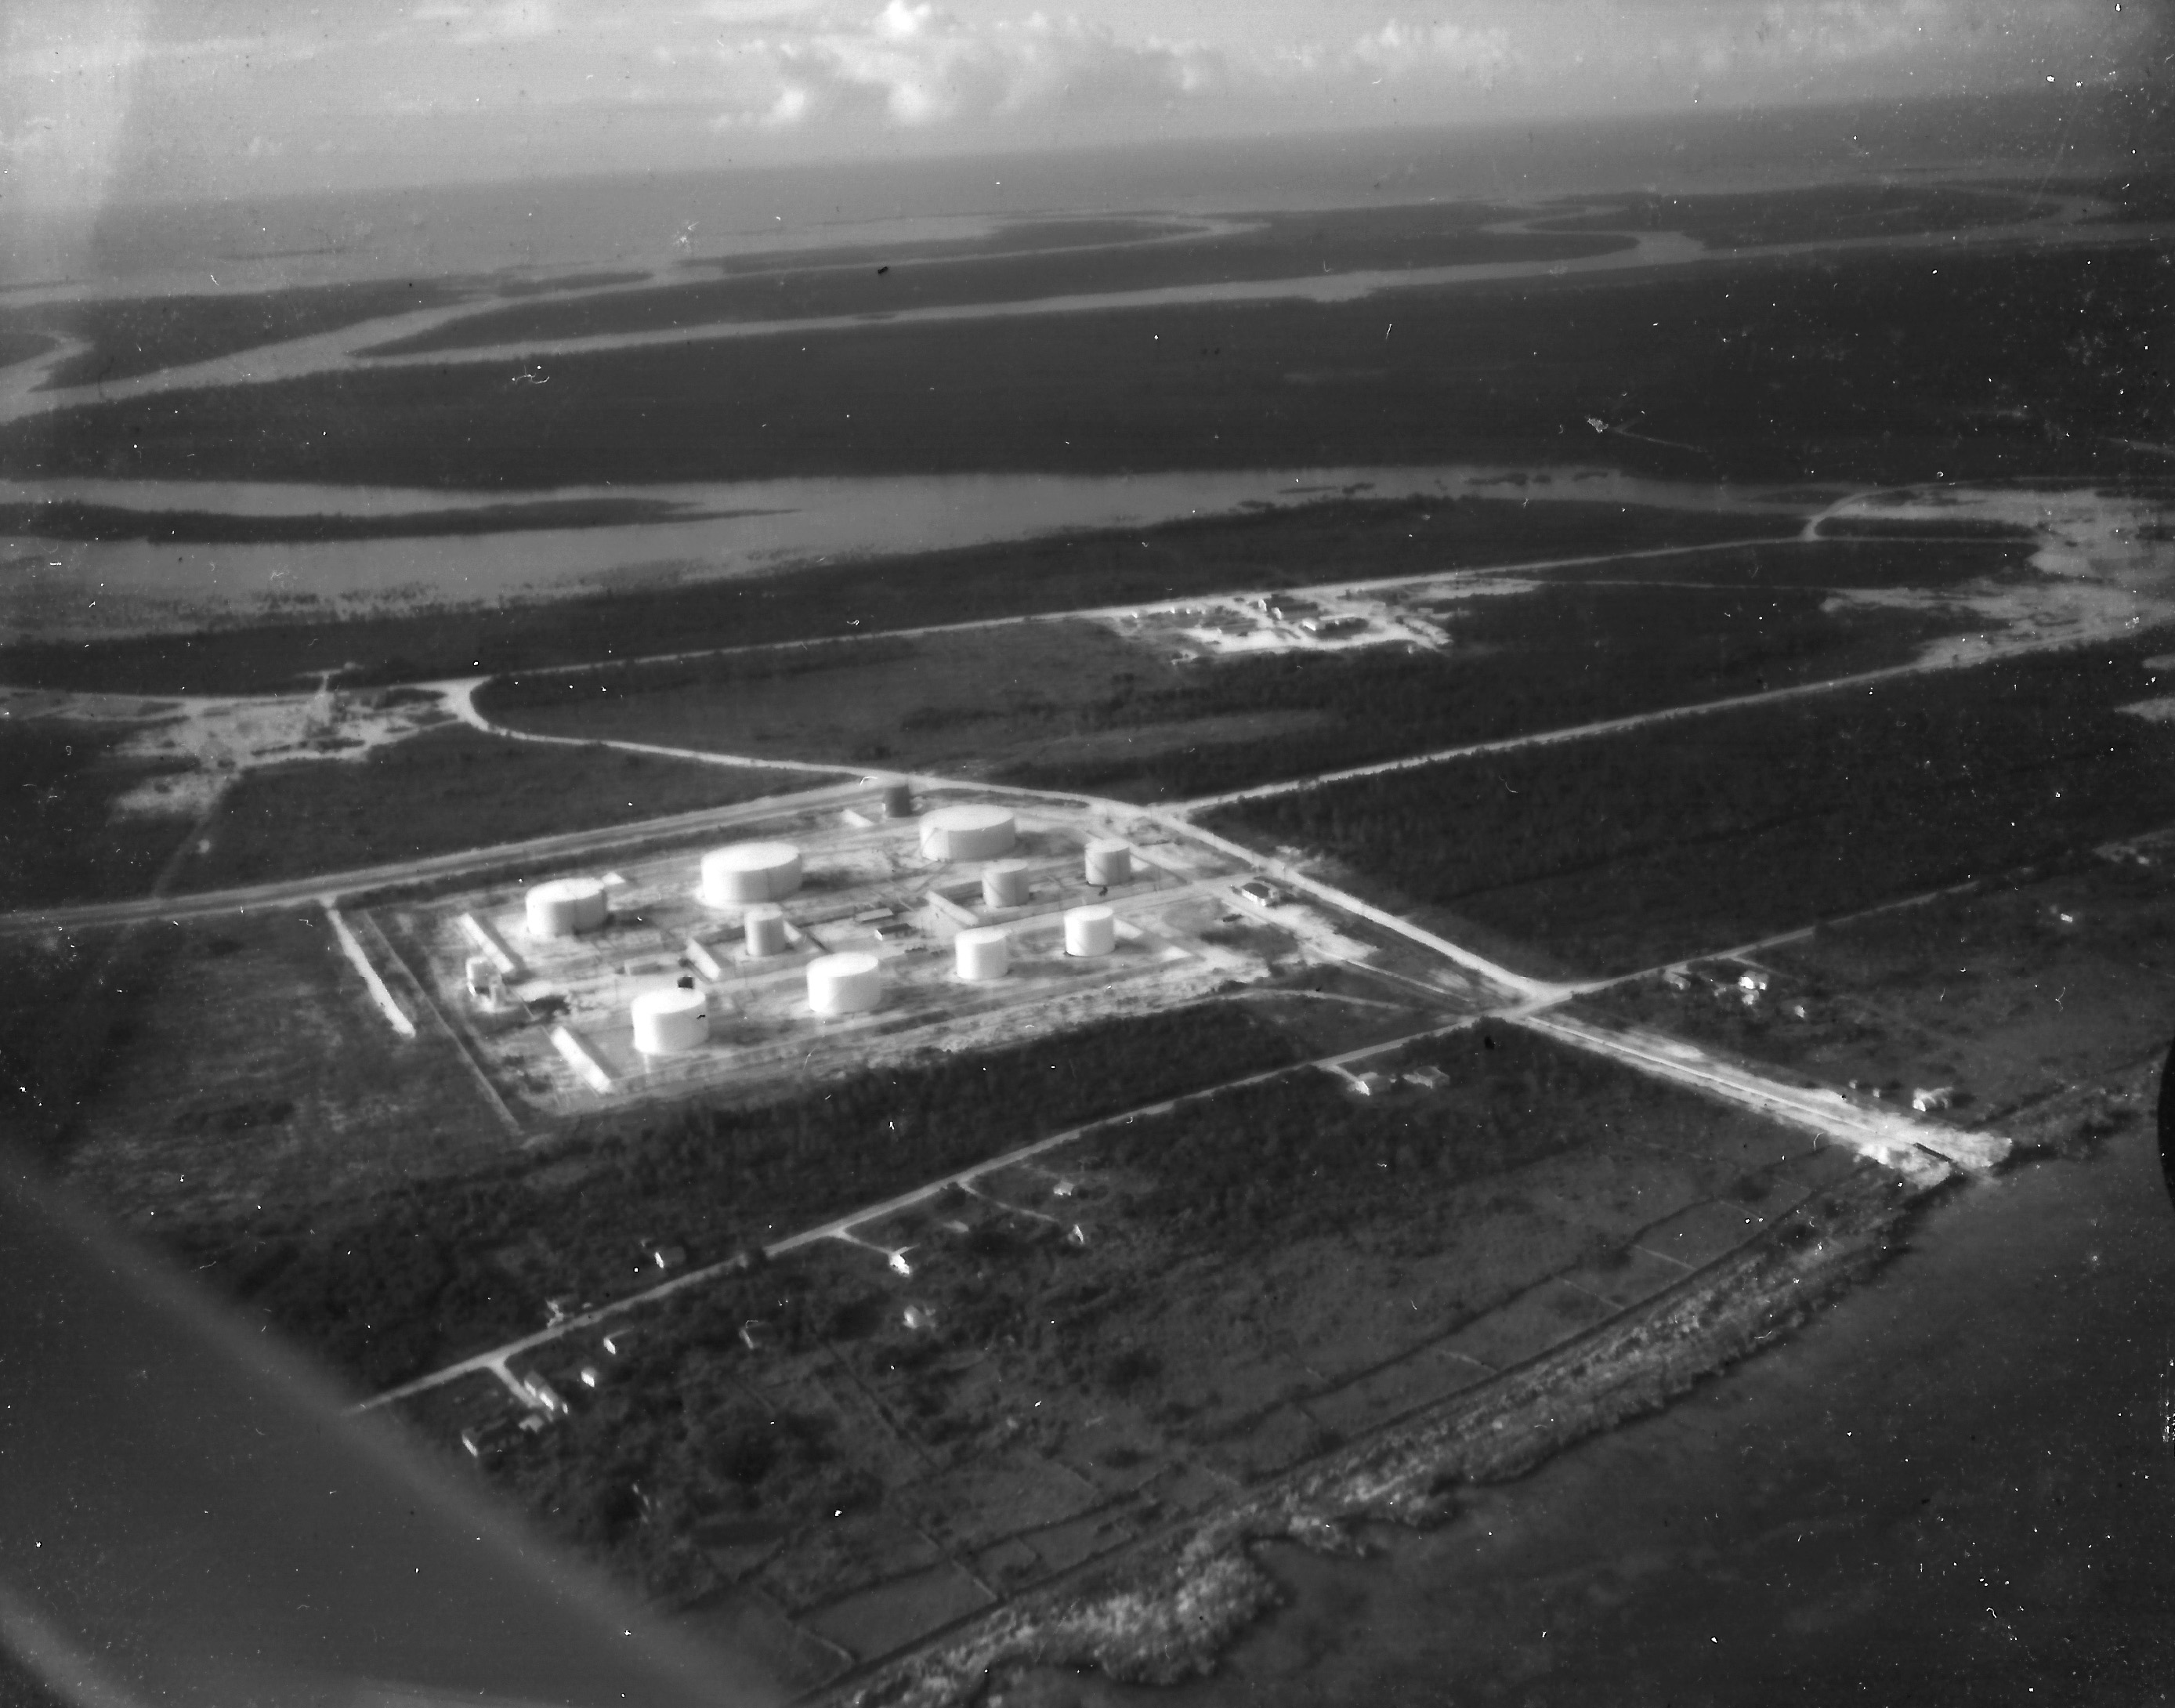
(766, 932)
(563, 907)
(848, 984)
(1109, 861)
(750, 871)
(671, 1023)
(1004, 884)
(968, 833)
(984, 952)
(1090, 931)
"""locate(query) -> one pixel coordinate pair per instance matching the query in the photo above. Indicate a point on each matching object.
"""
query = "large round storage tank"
(766, 932)
(848, 984)
(1004, 884)
(966, 833)
(1090, 931)
(985, 953)
(1109, 862)
(750, 871)
(562, 906)
(670, 1023)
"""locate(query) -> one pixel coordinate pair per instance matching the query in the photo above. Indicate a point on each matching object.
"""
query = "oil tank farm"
(968, 833)
(851, 983)
(1004, 884)
(670, 1023)
(566, 906)
(748, 872)
(984, 952)
(765, 929)
(1090, 931)
(1109, 861)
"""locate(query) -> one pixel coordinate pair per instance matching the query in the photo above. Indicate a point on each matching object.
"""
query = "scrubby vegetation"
(1655, 843)
(424, 1274)
(446, 789)
(61, 838)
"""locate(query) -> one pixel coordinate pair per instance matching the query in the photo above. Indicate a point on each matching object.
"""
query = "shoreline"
(1166, 1609)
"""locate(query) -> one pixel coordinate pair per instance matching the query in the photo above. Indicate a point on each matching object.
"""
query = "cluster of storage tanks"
(755, 876)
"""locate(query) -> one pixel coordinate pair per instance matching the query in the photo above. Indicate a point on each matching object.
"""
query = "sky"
(128, 100)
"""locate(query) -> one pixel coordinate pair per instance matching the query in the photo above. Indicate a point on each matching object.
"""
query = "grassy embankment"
(1075, 705)
(1351, 537)
(1685, 838)
(1866, 366)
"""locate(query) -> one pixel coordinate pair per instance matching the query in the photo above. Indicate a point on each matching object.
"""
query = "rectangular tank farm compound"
(819, 942)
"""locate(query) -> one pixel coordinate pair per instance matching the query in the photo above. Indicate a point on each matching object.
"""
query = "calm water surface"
(1956, 1486)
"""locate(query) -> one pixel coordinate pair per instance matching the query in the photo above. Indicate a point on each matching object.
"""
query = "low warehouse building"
(748, 872)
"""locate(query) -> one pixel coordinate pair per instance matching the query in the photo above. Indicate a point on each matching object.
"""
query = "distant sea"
(652, 218)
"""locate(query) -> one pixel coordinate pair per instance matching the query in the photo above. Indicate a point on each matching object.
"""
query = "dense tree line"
(433, 1269)
(1692, 835)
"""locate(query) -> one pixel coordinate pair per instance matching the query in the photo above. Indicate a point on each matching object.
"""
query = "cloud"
(475, 26)
(918, 66)
(1402, 49)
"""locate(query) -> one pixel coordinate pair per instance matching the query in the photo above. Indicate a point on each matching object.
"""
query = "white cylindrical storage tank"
(565, 906)
(1004, 884)
(670, 1023)
(986, 952)
(848, 984)
(966, 833)
(750, 871)
(766, 932)
(1090, 931)
(1109, 861)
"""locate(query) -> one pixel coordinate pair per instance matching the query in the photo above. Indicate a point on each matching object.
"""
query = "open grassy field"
(1073, 705)
(446, 789)
(135, 335)
(175, 1072)
(1689, 837)
(1353, 536)
(1342, 1262)
(1868, 366)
